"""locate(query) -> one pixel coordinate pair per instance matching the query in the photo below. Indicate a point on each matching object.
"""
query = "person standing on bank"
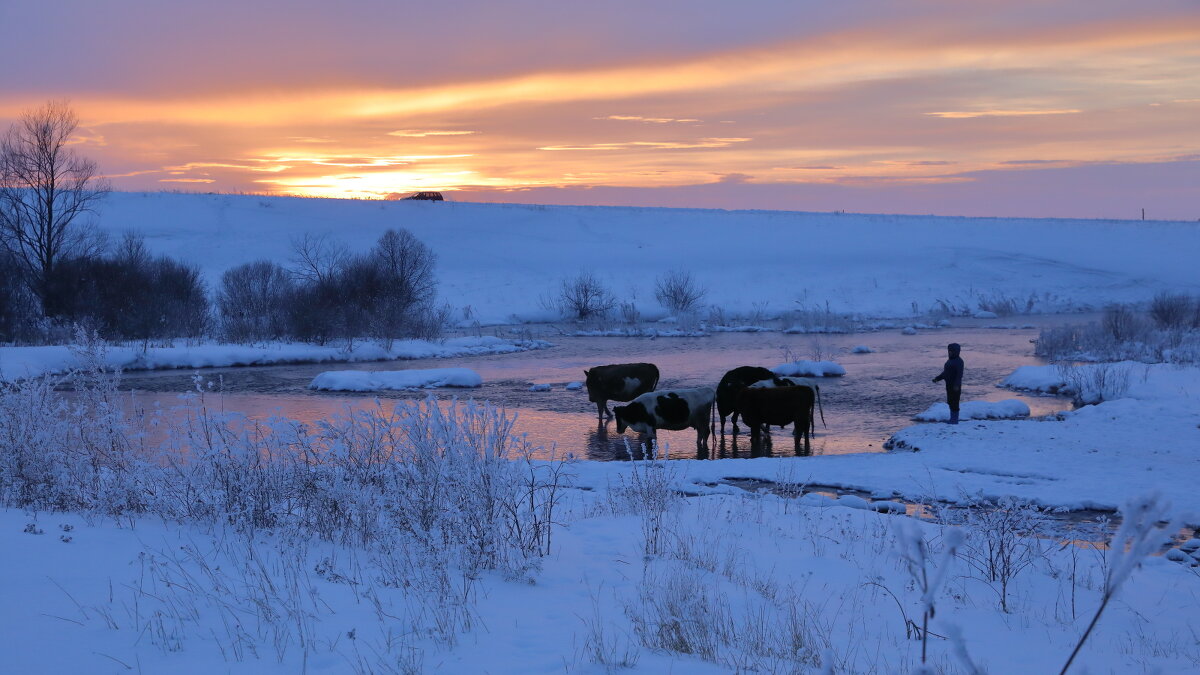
(952, 373)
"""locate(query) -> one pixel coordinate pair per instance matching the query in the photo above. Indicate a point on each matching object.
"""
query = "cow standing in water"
(619, 382)
(731, 385)
(673, 410)
(762, 407)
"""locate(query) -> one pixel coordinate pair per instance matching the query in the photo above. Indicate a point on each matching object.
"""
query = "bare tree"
(316, 258)
(44, 187)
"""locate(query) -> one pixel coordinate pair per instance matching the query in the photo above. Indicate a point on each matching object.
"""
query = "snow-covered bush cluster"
(1168, 332)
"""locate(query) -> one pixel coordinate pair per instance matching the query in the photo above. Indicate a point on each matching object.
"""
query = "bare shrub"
(820, 319)
(1123, 324)
(1001, 540)
(129, 294)
(1057, 343)
(317, 257)
(630, 313)
(1095, 382)
(18, 307)
(1172, 311)
(253, 302)
(1000, 304)
(583, 297)
(678, 291)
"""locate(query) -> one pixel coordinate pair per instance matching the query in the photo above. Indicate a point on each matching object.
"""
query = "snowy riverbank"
(22, 362)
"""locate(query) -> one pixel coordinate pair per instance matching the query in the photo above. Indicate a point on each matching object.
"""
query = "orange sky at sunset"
(1085, 109)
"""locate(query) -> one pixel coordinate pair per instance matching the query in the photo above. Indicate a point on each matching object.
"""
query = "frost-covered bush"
(1095, 382)
(451, 480)
(583, 296)
(1173, 311)
(678, 291)
(1123, 324)
(1005, 305)
(1125, 335)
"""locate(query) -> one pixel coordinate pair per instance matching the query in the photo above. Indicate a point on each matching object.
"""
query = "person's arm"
(944, 373)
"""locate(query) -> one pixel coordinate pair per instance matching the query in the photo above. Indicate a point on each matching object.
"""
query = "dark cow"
(619, 382)
(794, 382)
(731, 385)
(762, 407)
(673, 410)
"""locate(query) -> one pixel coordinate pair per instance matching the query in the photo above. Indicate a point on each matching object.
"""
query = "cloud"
(968, 114)
(653, 120)
(652, 145)
(418, 133)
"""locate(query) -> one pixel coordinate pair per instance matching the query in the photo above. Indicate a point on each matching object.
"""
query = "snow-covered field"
(23, 362)
(502, 260)
(416, 538)
(633, 574)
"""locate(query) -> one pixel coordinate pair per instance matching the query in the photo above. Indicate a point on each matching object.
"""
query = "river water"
(879, 394)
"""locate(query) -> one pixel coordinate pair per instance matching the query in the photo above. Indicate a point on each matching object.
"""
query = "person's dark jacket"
(952, 372)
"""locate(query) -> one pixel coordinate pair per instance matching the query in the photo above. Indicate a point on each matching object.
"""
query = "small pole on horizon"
(1143, 214)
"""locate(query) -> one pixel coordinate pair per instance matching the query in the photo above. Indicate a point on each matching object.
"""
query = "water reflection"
(877, 397)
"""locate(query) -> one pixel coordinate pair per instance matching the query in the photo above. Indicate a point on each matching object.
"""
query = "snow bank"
(1010, 409)
(861, 349)
(21, 362)
(809, 369)
(1043, 379)
(381, 380)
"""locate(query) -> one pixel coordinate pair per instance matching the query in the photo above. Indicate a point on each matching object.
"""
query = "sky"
(1016, 108)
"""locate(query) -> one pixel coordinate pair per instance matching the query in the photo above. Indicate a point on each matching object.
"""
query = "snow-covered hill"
(502, 259)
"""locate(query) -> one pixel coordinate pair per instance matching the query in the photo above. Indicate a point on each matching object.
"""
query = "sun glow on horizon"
(869, 103)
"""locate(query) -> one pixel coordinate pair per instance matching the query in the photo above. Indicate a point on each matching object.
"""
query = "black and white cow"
(619, 382)
(673, 410)
(732, 383)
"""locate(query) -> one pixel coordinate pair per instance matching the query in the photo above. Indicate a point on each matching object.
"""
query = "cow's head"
(628, 415)
(619, 412)
(593, 384)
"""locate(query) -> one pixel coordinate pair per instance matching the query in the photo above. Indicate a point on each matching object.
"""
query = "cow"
(674, 410)
(762, 407)
(794, 382)
(619, 382)
(731, 384)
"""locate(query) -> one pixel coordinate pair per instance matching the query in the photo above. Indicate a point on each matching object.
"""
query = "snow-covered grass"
(419, 538)
(1009, 409)
(383, 380)
(24, 362)
(750, 262)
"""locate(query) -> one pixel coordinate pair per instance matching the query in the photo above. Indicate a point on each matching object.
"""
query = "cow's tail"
(819, 407)
(654, 384)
